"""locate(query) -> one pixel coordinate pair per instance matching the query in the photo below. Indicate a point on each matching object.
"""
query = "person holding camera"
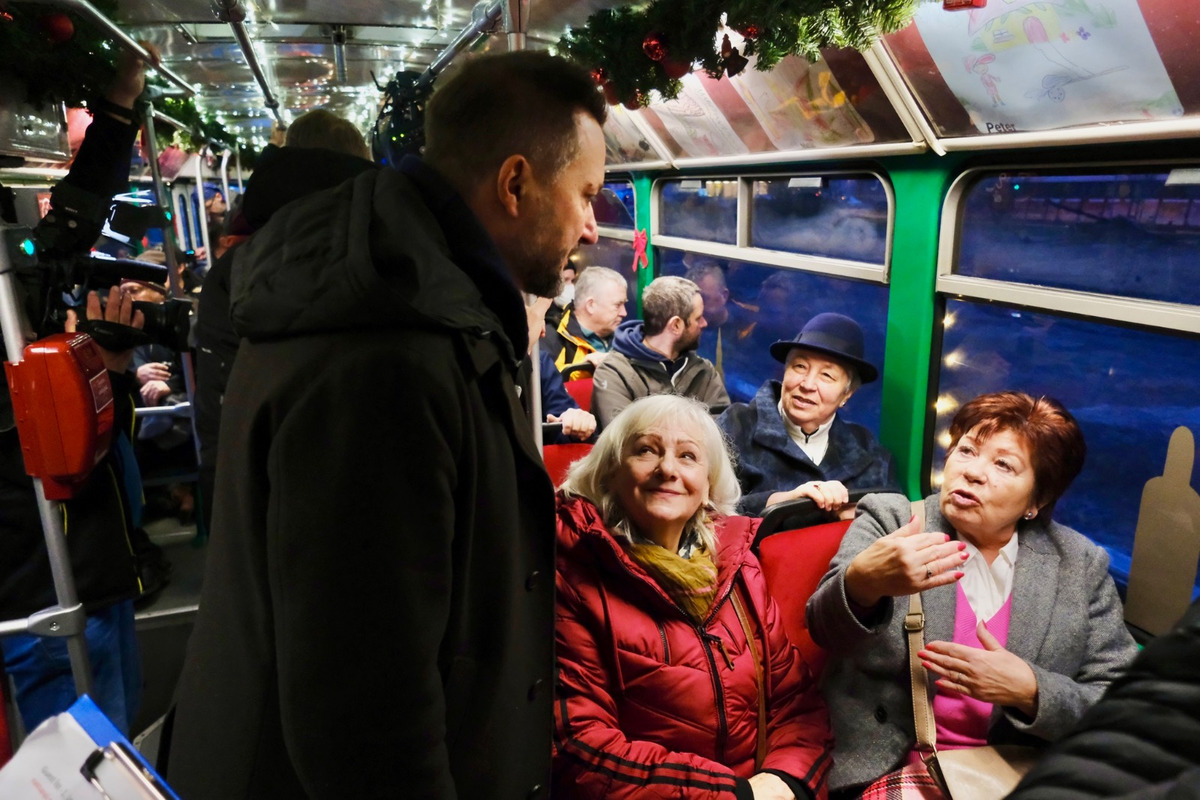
(98, 519)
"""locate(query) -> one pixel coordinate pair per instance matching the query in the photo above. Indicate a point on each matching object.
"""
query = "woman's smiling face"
(662, 481)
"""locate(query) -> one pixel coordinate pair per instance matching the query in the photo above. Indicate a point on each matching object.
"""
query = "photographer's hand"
(119, 310)
(130, 79)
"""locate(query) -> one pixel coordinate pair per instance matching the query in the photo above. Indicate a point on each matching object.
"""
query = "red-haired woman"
(1023, 625)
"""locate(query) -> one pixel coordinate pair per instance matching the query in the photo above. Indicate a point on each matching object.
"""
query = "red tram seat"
(793, 562)
(581, 390)
(558, 457)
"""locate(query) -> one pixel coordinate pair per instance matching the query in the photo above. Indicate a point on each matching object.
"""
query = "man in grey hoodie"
(657, 355)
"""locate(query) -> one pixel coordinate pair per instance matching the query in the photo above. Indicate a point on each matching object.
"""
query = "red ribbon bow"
(639, 250)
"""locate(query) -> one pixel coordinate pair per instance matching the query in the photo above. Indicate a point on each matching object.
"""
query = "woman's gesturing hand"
(992, 675)
(905, 561)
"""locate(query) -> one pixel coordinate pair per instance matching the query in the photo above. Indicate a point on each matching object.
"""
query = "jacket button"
(536, 689)
(881, 714)
(533, 580)
(535, 792)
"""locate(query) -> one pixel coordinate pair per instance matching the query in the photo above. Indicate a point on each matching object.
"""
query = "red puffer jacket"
(650, 705)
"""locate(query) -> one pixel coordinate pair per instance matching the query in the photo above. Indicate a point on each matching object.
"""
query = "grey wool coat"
(1066, 624)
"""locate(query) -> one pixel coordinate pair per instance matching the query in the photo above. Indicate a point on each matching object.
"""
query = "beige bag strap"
(761, 754)
(914, 626)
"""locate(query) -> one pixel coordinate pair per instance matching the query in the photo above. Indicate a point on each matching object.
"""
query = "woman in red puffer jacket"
(658, 690)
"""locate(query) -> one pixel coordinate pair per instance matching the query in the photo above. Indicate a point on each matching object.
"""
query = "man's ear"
(677, 325)
(513, 183)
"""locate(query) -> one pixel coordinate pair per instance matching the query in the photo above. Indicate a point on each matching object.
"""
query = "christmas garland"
(636, 51)
(61, 56)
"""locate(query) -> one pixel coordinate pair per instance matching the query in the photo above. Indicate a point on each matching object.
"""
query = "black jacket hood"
(382, 250)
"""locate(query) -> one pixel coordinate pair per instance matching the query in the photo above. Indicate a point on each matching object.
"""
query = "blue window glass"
(762, 305)
(1132, 234)
(614, 206)
(1129, 389)
(834, 216)
(612, 253)
(700, 209)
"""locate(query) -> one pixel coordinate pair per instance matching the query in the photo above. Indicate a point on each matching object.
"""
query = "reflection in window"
(1132, 234)
(749, 307)
(796, 105)
(838, 217)
(612, 253)
(623, 142)
(1129, 389)
(614, 206)
(700, 209)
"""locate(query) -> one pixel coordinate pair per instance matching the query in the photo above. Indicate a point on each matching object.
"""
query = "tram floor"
(164, 624)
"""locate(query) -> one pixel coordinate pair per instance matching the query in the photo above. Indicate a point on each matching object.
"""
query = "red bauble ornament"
(58, 28)
(675, 69)
(749, 30)
(654, 47)
(633, 102)
(610, 95)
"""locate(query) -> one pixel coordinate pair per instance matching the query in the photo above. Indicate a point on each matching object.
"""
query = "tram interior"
(1002, 204)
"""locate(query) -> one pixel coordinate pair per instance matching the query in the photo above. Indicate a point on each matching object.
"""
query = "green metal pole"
(641, 195)
(920, 184)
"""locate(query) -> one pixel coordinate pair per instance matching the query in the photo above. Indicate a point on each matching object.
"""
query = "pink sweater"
(963, 721)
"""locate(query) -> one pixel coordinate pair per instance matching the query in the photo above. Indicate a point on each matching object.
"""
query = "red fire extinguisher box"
(63, 404)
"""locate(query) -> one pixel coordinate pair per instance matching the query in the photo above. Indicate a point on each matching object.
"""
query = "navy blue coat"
(769, 461)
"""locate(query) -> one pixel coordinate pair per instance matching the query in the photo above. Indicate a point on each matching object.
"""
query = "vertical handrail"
(71, 619)
(169, 247)
(234, 13)
(225, 176)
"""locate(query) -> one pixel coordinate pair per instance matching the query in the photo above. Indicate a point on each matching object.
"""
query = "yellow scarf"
(690, 582)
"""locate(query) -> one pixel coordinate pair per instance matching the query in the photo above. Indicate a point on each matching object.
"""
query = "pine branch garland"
(611, 42)
(60, 56)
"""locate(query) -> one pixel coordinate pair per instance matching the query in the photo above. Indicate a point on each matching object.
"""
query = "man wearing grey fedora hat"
(790, 440)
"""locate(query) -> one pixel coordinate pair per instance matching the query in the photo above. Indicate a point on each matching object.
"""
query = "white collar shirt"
(815, 444)
(987, 586)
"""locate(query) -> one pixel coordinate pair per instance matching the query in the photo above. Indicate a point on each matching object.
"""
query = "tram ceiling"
(313, 54)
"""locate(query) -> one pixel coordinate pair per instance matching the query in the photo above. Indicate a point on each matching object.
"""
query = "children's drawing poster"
(1020, 65)
(696, 122)
(801, 105)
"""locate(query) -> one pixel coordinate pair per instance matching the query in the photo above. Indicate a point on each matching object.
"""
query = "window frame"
(1156, 314)
(742, 250)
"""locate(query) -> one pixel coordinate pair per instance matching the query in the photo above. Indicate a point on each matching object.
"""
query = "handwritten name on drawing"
(1001, 127)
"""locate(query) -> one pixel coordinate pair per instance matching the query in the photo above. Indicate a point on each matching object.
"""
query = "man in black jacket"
(377, 618)
(320, 151)
(1141, 741)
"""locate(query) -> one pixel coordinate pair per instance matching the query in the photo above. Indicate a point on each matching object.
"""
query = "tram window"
(623, 142)
(704, 209)
(796, 105)
(842, 216)
(612, 253)
(768, 304)
(1131, 234)
(1128, 388)
(614, 207)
